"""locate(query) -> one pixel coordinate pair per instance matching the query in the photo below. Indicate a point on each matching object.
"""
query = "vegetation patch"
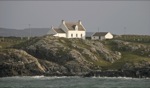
(127, 58)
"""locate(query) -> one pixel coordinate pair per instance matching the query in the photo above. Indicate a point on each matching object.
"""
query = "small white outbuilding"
(57, 32)
(102, 36)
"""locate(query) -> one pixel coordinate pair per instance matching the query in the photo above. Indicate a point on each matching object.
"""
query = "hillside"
(60, 56)
(6, 32)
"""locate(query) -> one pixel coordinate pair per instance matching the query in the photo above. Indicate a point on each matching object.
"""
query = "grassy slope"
(127, 56)
(141, 39)
(10, 41)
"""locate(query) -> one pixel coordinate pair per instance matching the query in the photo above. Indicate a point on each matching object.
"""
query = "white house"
(101, 36)
(69, 30)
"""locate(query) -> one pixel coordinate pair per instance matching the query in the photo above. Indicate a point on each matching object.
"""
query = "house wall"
(76, 34)
(94, 37)
(108, 36)
(60, 35)
(102, 37)
(56, 34)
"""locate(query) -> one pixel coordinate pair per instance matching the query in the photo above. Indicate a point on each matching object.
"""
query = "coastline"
(53, 56)
(140, 73)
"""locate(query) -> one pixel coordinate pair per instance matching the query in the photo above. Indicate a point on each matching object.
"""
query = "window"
(71, 35)
(76, 35)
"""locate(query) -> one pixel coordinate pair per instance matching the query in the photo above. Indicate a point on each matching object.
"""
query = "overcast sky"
(118, 17)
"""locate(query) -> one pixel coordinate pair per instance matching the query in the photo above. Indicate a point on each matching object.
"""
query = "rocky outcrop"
(51, 56)
(74, 56)
(61, 50)
(17, 62)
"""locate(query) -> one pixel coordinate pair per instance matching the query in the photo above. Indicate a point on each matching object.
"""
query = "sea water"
(73, 82)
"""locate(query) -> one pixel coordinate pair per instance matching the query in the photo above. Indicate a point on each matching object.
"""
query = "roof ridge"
(70, 26)
(100, 33)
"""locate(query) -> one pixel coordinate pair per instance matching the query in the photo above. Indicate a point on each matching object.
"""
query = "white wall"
(97, 37)
(51, 31)
(94, 37)
(60, 35)
(102, 38)
(78, 34)
(108, 36)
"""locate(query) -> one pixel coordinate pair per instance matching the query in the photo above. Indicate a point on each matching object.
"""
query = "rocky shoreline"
(8, 70)
(133, 73)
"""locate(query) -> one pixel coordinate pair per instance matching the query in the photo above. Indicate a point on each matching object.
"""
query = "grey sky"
(118, 17)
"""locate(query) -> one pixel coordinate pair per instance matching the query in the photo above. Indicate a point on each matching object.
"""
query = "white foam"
(37, 77)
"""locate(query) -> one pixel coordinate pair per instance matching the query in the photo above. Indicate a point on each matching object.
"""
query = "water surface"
(72, 82)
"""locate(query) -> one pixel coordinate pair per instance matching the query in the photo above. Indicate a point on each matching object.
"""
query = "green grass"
(102, 63)
(26, 42)
(110, 44)
(127, 58)
(7, 42)
(65, 42)
(135, 38)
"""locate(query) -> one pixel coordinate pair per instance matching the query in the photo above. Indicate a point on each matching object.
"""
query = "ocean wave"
(120, 78)
(65, 77)
(37, 77)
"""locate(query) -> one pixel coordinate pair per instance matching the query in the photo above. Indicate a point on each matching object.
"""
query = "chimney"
(76, 27)
(63, 21)
(79, 22)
